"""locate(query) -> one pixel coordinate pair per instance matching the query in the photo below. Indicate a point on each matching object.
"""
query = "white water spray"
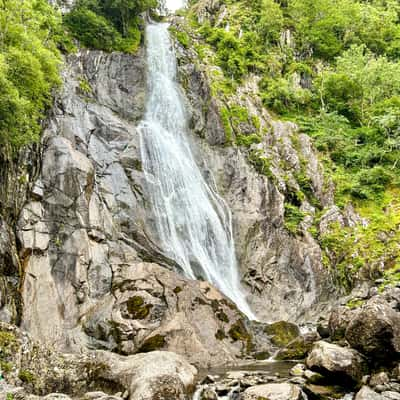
(192, 222)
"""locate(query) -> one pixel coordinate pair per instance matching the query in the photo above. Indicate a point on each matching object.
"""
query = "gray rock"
(332, 360)
(380, 378)
(375, 330)
(366, 393)
(273, 391)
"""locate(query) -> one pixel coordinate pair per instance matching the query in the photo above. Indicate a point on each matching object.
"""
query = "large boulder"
(339, 321)
(367, 393)
(152, 376)
(337, 362)
(298, 348)
(282, 332)
(273, 391)
(375, 330)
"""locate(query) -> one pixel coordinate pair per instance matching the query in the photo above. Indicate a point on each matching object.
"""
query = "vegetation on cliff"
(111, 25)
(334, 68)
(29, 68)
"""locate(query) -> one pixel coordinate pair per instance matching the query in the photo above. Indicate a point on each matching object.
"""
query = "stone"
(367, 393)
(375, 330)
(389, 395)
(338, 322)
(151, 376)
(298, 348)
(380, 378)
(273, 391)
(297, 370)
(313, 377)
(320, 392)
(335, 361)
(282, 332)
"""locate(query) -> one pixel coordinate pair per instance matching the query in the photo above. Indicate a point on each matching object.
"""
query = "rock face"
(42, 370)
(93, 277)
(337, 362)
(279, 268)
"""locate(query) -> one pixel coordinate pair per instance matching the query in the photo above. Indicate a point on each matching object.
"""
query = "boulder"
(375, 330)
(298, 348)
(380, 378)
(282, 332)
(152, 376)
(367, 393)
(339, 321)
(273, 391)
(337, 362)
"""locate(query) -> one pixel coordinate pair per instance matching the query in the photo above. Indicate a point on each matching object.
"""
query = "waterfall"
(192, 222)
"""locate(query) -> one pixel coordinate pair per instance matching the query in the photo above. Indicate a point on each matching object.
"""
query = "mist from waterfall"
(192, 222)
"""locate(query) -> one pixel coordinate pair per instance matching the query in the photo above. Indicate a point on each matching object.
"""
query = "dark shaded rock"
(375, 330)
(339, 321)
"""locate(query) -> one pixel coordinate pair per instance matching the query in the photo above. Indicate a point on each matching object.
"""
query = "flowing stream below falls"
(192, 223)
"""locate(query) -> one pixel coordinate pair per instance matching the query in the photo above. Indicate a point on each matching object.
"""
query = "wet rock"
(298, 348)
(298, 370)
(319, 392)
(337, 362)
(375, 330)
(313, 377)
(282, 332)
(367, 393)
(273, 391)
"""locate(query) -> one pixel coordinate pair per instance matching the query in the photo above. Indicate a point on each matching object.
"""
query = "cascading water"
(192, 222)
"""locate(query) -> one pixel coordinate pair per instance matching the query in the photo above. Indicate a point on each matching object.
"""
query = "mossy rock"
(152, 343)
(239, 332)
(220, 334)
(137, 307)
(297, 349)
(282, 332)
(262, 355)
(319, 392)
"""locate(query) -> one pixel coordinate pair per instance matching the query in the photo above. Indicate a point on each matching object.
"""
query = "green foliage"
(108, 25)
(26, 376)
(293, 217)
(29, 68)
(261, 163)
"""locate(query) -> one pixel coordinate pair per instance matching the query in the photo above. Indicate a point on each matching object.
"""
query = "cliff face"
(282, 270)
(92, 275)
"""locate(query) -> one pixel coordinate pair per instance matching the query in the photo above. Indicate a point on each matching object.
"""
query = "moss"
(5, 366)
(282, 332)
(84, 86)
(238, 332)
(220, 334)
(137, 307)
(8, 344)
(297, 349)
(260, 163)
(262, 355)
(26, 376)
(355, 303)
(224, 113)
(222, 316)
(153, 343)
(177, 290)
(247, 140)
